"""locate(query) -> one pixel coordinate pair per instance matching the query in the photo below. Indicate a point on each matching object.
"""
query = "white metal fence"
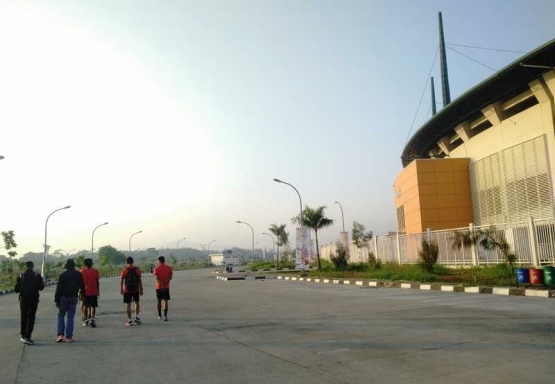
(532, 241)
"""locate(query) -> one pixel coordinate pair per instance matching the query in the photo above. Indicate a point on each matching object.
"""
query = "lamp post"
(300, 200)
(342, 217)
(242, 222)
(208, 246)
(130, 240)
(46, 238)
(177, 248)
(92, 239)
(273, 243)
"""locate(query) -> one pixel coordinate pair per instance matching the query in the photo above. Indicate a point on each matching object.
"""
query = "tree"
(489, 238)
(9, 243)
(314, 219)
(79, 260)
(281, 236)
(152, 253)
(428, 254)
(110, 256)
(339, 261)
(173, 260)
(360, 237)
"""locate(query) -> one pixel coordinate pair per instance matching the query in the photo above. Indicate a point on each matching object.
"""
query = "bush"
(358, 267)
(340, 261)
(428, 254)
(373, 261)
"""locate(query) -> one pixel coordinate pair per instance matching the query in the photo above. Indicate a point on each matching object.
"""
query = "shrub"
(358, 267)
(340, 261)
(373, 261)
(428, 254)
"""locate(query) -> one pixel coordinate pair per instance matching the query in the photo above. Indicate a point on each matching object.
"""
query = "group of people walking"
(84, 285)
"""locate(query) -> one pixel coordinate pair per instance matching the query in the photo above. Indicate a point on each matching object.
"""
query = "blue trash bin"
(522, 276)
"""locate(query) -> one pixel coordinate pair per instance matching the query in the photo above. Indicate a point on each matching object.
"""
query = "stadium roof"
(514, 76)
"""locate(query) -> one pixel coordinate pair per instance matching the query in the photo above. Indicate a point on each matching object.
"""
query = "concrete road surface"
(289, 332)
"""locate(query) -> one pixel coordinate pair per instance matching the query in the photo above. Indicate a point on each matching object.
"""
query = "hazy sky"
(173, 117)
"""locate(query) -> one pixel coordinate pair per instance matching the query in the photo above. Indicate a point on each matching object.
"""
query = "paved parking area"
(272, 331)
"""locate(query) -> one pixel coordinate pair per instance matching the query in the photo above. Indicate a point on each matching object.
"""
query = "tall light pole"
(342, 217)
(92, 239)
(300, 200)
(242, 222)
(209, 246)
(273, 243)
(203, 246)
(177, 248)
(46, 238)
(136, 233)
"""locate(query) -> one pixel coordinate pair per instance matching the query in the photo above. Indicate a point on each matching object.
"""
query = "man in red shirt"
(91, 277)
(131, 288)
(163, 275)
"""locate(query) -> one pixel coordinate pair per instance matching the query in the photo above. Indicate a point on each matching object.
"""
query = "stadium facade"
(487, 157)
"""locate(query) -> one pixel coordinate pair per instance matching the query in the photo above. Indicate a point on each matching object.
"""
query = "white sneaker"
(159, 318)
(165, 318)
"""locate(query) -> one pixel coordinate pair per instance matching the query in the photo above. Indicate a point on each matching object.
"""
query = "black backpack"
(131, 280)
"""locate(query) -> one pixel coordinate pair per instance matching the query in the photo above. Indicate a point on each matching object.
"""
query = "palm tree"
(314, 219)
(282, 237)
(489, 238)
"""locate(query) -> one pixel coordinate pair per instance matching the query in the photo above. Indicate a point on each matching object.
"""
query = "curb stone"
(504, 291)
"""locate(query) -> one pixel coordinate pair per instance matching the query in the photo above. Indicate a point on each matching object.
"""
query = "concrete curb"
(225, 278)
(505, 291)
(8, 291)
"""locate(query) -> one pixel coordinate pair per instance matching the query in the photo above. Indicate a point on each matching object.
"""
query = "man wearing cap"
(69, 283)
(91, 278)
(28, 285)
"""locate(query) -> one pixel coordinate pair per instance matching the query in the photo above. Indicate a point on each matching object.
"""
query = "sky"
(173, 118)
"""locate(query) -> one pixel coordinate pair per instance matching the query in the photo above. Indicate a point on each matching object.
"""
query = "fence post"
(533, 242)
(428, 233)
(398, 249)
(376, 247)
(473, 246)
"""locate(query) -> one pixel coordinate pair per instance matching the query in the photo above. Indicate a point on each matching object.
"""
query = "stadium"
(485, 159)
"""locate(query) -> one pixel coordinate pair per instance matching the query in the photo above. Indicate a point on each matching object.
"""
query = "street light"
(130, 240)
(242, 222)
(209, 246)
(92, 239)
(301, 201)
(342, 217)
(46, 238)
(177, 248)
(273, 243)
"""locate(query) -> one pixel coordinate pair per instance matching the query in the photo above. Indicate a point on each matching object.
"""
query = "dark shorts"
(163, 294)
(90, 301)
(132, 296)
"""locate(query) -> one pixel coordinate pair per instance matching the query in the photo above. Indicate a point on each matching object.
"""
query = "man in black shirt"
(69, 283)
(28, 285)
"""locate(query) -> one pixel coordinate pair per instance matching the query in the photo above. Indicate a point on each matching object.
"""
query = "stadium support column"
(434, 111)
(443, 59)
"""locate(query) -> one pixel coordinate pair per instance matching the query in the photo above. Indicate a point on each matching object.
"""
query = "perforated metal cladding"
(512, 185)
(401, 218)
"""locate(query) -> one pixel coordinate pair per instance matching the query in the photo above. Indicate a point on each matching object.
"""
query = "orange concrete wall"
(435, 194)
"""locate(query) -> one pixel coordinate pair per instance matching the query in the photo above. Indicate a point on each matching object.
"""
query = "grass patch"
(496, 275)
